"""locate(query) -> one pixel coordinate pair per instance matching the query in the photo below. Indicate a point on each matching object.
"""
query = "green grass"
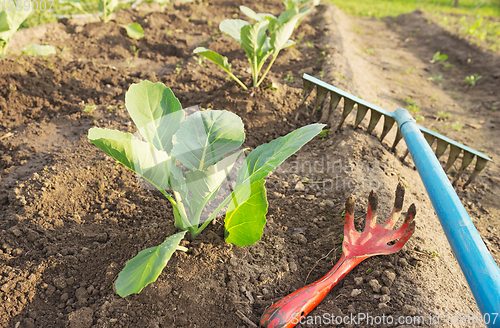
(471, 17)
(383, 8)
(482, 30)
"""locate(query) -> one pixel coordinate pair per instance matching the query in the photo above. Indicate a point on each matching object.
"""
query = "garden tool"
(376, 239)
(323, 89)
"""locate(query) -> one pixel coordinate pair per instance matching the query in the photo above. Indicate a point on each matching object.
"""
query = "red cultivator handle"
(356, 247)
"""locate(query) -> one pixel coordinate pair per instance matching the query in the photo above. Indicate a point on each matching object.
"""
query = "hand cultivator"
(479, 268)
(356, 247)
(363, 106)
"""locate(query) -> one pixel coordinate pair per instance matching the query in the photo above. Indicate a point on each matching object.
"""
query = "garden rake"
(376, 239)
(323, 89)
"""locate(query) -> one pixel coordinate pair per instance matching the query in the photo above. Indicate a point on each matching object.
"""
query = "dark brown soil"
(70, 217)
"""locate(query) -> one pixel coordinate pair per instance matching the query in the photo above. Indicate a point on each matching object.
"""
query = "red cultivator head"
(376, 239)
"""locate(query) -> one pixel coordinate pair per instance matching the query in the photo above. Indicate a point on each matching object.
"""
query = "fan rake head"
(376, 113)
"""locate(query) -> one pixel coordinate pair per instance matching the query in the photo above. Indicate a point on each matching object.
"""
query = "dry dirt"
(70, 217)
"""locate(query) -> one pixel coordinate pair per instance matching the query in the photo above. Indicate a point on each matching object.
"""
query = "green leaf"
(110, 6)
(246, 214)
(274, 24)
(11, 19)
(73, 3)
(253, 38)
(267, 157)
(134, 30)
(4, 25)
(156, 112)
(162, 2)
(288, 14)
(204, 184)
(206, 136)
(142, 158)
(38, 50)
(265, 52)
(251, 14)
(178, 182)
(232, 27)
(215, 57)
(288, 44)
(282, 34)
(146, 266)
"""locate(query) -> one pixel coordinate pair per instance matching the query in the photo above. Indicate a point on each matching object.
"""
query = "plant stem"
(267, 69)
(180, 209)
(255, 72)
(237, 80)
(104, 14)
(212, 216)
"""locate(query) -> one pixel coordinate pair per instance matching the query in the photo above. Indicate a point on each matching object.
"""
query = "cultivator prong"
(371, 216)
(376, 113)
(398, 206)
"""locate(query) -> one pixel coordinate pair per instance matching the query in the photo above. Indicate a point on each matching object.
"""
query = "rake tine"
(320, 98)
(406, 154)
(480, 164)
(429, 138)
(374, 118)
(388, 123)
(399, 136)
(308, 87)
(466, 160)
(360, 115)
(348, 105)
(441, 147)
(334, 102)
(454, 153)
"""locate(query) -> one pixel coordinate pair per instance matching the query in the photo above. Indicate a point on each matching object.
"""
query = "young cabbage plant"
(10, 20)
(37, 50)
(75, 4)
(107, 7)
(163, 4)
(134, 30)
(261, 40)
(188, 159)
